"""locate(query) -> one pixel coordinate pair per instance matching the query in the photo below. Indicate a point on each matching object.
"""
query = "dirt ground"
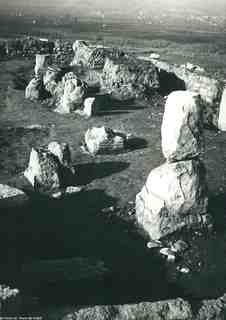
(61, 230)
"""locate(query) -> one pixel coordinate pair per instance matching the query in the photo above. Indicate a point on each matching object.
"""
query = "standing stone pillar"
(175, 194)
(222, 112)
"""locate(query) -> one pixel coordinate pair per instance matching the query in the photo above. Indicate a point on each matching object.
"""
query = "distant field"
(204, 48)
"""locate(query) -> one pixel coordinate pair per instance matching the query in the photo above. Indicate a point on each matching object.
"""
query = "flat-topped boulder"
(128, 78)
(173, 197)
(10, 196)
(182, 126)
(100, 140)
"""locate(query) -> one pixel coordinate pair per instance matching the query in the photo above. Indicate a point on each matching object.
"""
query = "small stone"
(154, 244)
(167, 252)
(72, 190)
(183, 270)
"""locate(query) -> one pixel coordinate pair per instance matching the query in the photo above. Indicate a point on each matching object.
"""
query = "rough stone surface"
(10, 196)
(41, 62)
(89, 107)
(208, 88)
(82, 53)
(222, 113)
(52, 74)
(174, 196)
(61, 151)
(73, 95)
(128, 78)
(104, 140)
(182, 126)
(177, 309)
(212, 309)
(93, 58)
(34, 89)
(43, 170)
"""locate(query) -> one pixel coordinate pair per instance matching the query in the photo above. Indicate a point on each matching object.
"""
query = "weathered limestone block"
(182, 126)
(33, 91)
(174, 196)
(129, 78)
(161, 310)
(10, 196)
(61, 151)
(82, 53)
(44, 171)
(208, 88)
(104, 140)
(222, 113)
(73, 96)
(41, 62)
(52, 74)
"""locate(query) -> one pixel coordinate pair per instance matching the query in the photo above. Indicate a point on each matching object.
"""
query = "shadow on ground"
(60, 231)
(87, 172)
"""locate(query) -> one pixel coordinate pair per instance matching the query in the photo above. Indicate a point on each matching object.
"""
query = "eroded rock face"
(33, 91)
(62, 152)
(182, 126)
(52, 74)
(174, 196)
(161, 310)
(43, 172)
(93, 58)
(41, 62)
(73, 95)
(10, 196)
(128, 78)
(222, 113)
(104, 140)
(82, 53)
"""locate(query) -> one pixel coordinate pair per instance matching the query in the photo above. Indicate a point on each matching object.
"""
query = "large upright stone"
(182, 126)
(33, 90)
(73, 96)
(44, 171)
(174, 196)
(41, 62)
(222, 112)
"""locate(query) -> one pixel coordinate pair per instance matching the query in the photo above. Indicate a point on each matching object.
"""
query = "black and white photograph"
(112, 160)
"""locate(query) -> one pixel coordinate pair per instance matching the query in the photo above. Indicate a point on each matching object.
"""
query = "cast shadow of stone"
(217, 208)
(63, 230)
(87, 172)
(170, 82)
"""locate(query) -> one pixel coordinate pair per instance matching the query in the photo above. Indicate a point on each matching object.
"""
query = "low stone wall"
(175, 77)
